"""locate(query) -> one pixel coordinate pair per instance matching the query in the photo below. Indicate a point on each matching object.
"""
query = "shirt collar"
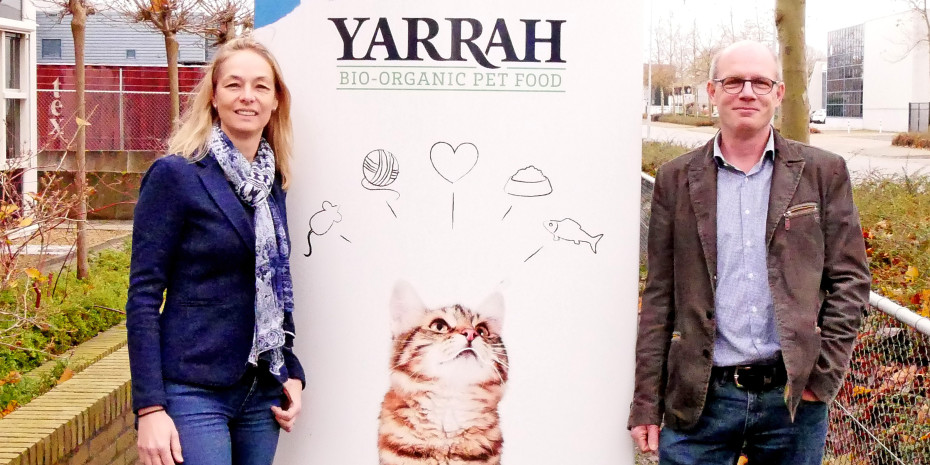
(767, 153)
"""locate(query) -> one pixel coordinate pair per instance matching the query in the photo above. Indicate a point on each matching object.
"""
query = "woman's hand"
(288, 415)
(159, 443)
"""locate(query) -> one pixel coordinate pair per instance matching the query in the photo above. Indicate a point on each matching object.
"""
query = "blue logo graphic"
(269, 11)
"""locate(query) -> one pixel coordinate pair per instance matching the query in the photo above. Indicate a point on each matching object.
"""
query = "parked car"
(819, 116)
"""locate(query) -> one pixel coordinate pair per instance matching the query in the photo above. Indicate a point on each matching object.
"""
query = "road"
(866, 152)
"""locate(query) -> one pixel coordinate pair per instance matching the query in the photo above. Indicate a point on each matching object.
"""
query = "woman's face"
(244, 96)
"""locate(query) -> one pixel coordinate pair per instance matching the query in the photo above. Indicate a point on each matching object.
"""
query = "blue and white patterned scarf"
(273, 287)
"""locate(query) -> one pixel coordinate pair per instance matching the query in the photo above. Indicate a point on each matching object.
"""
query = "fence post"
(122, 134)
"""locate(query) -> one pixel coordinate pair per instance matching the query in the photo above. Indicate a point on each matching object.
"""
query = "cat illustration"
(448, 371)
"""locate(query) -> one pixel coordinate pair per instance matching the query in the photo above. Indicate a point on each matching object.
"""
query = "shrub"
(70, 311)
(687, 120)
(655, 153)
(919, 140)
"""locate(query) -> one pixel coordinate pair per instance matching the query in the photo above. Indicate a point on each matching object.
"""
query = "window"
(15, 94)
(51, 48)
(844, 72)
(14, 130)
(11, 9)
(131, 54)
(13, 67)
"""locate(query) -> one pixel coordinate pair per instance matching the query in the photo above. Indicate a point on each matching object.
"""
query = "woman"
(211, 370)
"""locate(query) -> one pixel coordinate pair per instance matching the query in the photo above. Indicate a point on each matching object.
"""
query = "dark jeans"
(223, 426)
(753, 422)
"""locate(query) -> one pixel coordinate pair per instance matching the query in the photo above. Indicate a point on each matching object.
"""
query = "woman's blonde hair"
(190, 140)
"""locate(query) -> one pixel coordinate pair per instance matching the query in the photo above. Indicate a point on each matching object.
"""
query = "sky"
(822, 15)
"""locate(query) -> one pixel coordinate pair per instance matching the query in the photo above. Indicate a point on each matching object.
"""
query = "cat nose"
(469, 334)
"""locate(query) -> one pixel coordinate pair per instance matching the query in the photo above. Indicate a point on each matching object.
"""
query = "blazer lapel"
(702, 188)
(214, 180)
(786, 175)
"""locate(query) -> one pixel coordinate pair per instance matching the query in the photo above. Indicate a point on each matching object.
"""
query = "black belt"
(752, 377)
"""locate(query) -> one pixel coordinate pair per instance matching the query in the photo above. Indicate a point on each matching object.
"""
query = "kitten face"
(451, 345)
(448, 373)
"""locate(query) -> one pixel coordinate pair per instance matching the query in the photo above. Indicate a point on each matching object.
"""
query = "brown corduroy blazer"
(817, 274)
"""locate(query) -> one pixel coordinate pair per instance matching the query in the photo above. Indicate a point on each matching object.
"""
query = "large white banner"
(464, 216)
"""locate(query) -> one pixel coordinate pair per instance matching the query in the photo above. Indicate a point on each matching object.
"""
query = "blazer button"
(710, 314)
(706, 353)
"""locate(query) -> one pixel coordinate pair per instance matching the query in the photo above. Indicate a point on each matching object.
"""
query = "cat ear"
(492, 310)
(406, 308)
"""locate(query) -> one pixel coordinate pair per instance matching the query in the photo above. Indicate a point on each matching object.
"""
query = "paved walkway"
(866, 151)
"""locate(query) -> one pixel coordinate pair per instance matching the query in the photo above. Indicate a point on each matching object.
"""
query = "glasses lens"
(733, 85)
(762, 86)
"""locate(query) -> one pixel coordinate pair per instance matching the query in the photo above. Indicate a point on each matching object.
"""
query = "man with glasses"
(757, 282)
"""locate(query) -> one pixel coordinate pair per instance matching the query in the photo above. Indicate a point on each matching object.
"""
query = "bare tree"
(789, 20)
(170, 17)
(812, 56)
(920, 33)
(223, 20)
(79, 10)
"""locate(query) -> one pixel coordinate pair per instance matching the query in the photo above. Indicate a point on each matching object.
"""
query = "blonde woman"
(214, 377)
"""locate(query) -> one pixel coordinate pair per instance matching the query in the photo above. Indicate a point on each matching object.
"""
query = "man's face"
(746, 112)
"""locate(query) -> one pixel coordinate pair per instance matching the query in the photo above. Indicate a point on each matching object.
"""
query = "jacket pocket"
(801, 210)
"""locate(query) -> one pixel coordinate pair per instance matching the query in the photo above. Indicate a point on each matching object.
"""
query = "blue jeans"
(227, 426)
(752, 422)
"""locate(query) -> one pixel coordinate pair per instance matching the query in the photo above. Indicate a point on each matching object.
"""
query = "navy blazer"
(193, 242)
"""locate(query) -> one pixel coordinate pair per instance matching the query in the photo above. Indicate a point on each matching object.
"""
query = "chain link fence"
(882, 413)
(119, 120)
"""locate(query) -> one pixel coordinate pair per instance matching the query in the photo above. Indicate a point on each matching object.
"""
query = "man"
(757, 283)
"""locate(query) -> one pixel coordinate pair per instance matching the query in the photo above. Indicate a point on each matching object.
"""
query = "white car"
(819, 116)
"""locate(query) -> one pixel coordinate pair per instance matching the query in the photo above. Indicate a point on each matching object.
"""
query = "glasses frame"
(774, 83)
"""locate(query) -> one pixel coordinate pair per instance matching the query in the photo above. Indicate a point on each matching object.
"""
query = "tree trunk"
(171, 47)
(789, 20)
(78, 24)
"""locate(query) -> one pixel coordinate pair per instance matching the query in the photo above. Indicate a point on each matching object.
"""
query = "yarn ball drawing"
(380, 168)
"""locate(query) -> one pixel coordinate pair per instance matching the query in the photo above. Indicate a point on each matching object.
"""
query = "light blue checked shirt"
(745, 315)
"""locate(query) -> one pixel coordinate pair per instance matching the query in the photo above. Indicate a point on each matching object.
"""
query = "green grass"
(895, 215)
(69, 311)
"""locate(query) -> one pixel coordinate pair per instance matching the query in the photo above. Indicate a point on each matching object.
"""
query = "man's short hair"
(713, 61)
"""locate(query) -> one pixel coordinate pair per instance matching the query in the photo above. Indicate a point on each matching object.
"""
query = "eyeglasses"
(735, 85)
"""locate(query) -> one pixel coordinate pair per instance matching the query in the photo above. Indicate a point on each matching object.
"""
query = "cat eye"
(482, 330)
(439, 325)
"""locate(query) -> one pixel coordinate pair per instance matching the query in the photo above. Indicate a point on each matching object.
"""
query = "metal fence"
(882, 413)
(918, 117)
(119, 119)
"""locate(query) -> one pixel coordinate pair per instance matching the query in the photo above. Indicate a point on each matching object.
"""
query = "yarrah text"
(466, 36)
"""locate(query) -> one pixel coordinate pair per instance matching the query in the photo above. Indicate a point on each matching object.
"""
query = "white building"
(876, 72)
(18, 87)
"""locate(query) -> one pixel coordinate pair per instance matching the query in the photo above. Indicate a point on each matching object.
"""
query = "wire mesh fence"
(882, 413)
(128, 107)
(119, 120)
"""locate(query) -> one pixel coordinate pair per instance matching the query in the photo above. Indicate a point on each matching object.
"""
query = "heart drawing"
(453, 163)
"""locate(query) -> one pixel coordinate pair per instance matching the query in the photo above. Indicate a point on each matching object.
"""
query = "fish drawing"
(322, 221)
(569, 230)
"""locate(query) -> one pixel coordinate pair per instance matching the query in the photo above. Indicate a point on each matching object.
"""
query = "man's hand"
(646, 437)
(288, 415)
(159, 443)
